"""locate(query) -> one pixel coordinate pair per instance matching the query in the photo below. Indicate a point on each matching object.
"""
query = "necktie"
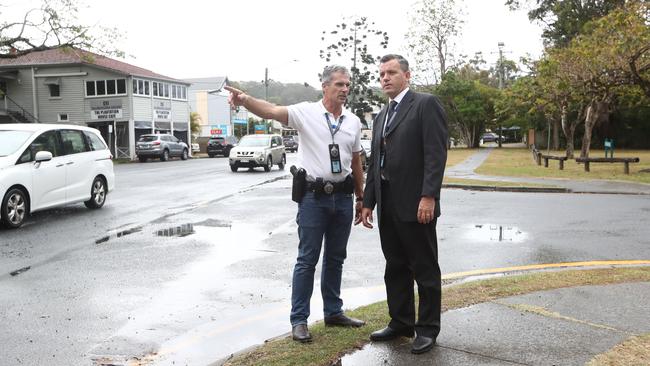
(391, 111)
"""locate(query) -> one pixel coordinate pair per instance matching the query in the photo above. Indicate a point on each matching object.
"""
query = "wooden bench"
(625, 161)
(537, 156)
(561, 159)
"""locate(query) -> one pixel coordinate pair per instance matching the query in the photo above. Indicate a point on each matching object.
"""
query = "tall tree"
(351, 41)
(434, 26)
(563, 20)
(597, 65)
(469, 105)
(54, 24)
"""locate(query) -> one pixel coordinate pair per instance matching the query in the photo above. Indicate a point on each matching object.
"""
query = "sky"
(241, 38)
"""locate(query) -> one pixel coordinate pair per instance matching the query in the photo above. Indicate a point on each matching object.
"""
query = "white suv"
(258, 150)
(44, 166)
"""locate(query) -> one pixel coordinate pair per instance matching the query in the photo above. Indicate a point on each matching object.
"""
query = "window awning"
(52, 81)
(142, 125)
(180, 126)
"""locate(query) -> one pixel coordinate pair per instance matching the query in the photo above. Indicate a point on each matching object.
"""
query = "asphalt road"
(102, 287)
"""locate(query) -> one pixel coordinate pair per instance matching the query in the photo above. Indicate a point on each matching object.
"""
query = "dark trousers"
(411, 252)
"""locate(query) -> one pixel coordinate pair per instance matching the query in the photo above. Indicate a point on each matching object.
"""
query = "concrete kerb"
(452, 279)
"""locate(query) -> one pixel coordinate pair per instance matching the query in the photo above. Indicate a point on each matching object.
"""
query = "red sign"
(216, 131)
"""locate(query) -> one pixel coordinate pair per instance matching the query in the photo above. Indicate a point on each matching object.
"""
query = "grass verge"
(519, 163)
(330, 343)
(634, 351)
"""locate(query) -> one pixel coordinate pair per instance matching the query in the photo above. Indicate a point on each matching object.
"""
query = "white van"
(50, 165)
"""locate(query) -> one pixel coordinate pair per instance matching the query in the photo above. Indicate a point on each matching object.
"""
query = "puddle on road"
(180, 231)
(494, 233)
(177, 301)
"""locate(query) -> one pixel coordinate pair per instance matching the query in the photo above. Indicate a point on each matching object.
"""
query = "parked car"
(44, 166)
(491, 137)
(161, 146)
(365, 152)
(219, 145)
(258, 150)
(290, 143)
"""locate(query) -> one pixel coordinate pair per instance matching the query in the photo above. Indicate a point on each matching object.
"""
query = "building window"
(63, 117)
(154, 88)
(100, 85)
(90, 88)
(166, 90)
(140, 87)
(110, 87)
(121, 86)
(106, 87)
(55, 90)
(174, 91)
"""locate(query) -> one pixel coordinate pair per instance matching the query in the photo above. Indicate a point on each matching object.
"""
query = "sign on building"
(162, 110)
(219, 130)
(110, 109)
(260, 129)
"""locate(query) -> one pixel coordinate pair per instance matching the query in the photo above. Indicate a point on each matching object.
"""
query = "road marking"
(171, 349)
(542, 311)
(533, 267)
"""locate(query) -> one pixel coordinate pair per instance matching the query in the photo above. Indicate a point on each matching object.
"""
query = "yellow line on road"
(533, 267)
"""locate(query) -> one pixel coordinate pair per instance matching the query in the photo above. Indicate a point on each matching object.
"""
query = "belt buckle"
(328, 188)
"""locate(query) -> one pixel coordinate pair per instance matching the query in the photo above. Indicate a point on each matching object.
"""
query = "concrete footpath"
(557, 327)
(566, 326)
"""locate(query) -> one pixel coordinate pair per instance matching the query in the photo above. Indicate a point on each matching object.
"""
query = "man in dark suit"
(409, 152)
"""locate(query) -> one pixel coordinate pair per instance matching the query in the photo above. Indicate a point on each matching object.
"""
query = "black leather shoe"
(389, 333)
(300, 333)
(342, 320)
(422, 344)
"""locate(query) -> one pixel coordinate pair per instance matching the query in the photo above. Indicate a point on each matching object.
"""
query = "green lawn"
(520, 163)
(457, 155)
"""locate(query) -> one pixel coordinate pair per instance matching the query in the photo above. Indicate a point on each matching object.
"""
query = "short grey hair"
(403, 64)
(331, 69)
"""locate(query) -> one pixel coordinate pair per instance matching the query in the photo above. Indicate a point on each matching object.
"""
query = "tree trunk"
(597, 111)
(556, 133)
(569, 131)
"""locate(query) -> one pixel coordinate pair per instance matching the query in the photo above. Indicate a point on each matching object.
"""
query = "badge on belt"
(328, 188)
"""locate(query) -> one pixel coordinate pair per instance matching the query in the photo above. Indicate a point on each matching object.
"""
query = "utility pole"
(266, 93)
(501, 83)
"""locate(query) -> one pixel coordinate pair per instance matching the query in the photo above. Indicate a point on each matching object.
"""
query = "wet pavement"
(198, 268)
(566, 326)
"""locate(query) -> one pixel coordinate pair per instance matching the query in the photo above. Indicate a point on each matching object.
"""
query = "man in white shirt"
(330, 143)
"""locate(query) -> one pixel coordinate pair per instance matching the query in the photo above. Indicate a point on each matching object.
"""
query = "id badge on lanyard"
(334, 150)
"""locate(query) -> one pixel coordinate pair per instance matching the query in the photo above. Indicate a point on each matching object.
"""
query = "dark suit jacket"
(416, 153)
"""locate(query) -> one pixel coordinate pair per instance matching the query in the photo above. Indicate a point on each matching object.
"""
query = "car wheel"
(269, 164)
(282, 162)
(14, 208)
(165, 155)
(142, 159)
(226, 153)
(184, 156)
(234, 168)
(97, 194)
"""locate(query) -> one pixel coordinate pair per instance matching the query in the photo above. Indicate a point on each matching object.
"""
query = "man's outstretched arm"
(259, 107)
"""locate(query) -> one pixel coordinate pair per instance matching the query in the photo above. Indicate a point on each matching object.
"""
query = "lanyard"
(329, 125)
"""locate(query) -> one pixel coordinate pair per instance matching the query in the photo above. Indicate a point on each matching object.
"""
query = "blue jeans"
(328, 216)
